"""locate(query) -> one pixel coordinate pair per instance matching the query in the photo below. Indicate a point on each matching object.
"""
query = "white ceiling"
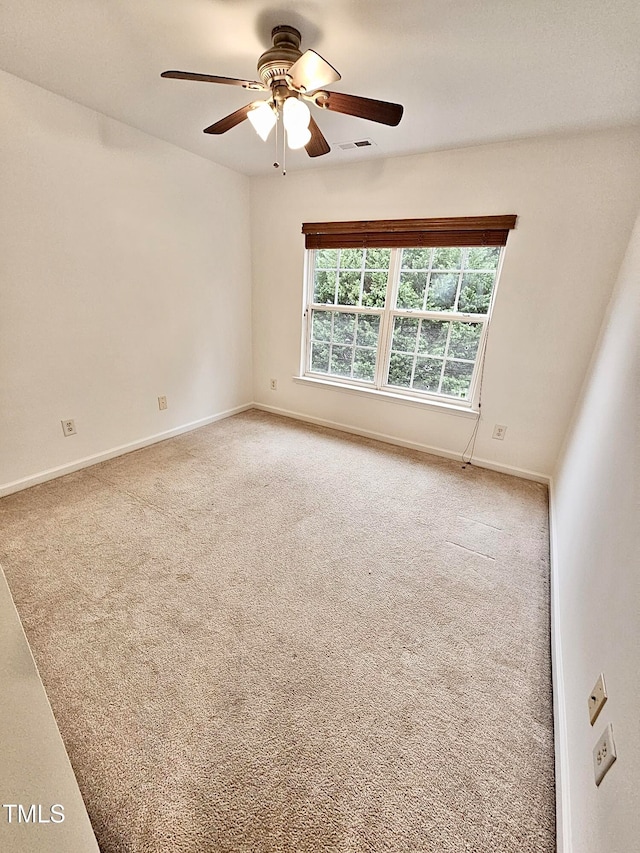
(467, 72)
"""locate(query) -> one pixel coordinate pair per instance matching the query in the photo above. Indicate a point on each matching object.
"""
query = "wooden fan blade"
(229, 121)
(210, 78)
(353, 105)
(317, 145)
(312, 72)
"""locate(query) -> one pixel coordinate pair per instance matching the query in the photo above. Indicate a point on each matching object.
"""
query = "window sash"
(355, 346)
(445, 359)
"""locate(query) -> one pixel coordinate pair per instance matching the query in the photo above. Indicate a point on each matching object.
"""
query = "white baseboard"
(563, 798)
(411, 445)
(87, 461)
(70, 467)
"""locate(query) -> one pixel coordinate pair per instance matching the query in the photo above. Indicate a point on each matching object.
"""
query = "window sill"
(403, 399)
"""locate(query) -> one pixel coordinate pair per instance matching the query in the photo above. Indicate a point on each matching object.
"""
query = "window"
(402, 306)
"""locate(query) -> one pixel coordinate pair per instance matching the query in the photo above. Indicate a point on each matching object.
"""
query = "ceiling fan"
(291, 78)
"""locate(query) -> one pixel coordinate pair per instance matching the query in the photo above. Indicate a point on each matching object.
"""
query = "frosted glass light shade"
(296, 118)
(298, 138)
(263, 119)
(296, 115)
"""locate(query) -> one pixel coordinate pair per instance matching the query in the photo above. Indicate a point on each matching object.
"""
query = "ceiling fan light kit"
(291, 78)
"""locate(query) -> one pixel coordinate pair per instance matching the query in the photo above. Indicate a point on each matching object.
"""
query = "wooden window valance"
(398, 233)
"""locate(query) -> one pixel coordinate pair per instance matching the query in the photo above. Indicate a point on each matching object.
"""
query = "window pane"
(457, 378)
(464, 340)
(405, 332)
(320, 357)
(433, 337)
(367, 331)
(341, 360)
(483, 258)
(475, 293)
(364, 364)
(326, 258)
(349, 287)
(321, 330)
(325, 286)
(411, 289)
(344, 328)
(447, 259)
(351, 259)
(377, 259)
(442, 291)
(427, 374)
(374, 289)
(415, 259)
(400, 367)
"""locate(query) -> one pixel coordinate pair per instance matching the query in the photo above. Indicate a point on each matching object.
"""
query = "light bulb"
(262, 118)
(299, 137)
(296, 115)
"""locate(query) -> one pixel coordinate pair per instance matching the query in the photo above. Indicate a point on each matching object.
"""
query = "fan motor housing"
(275, 62)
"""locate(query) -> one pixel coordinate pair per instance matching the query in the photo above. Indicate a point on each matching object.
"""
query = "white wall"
(596, 507)
(124, 275)
(575, 198)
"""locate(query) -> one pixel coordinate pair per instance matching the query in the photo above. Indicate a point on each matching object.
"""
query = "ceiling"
(467, 72)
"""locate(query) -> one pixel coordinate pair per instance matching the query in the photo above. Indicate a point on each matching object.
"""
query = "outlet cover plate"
(162, 403)
(68, 426)
(597, 699)
(604, 754)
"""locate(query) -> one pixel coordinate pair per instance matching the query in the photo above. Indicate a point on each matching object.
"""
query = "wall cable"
(471, 444)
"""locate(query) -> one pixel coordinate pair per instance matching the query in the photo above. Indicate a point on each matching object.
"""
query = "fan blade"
(317, 145)
(312, 72)
(209, 78)
(229, 121)
(353, 105)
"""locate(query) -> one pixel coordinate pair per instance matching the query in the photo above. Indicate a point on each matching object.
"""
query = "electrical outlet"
(162, 403)
(597, 699)
(274, 384)
(604, 754)
(68, 427)
(499, 431)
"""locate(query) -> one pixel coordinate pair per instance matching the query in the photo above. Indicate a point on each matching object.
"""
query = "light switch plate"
(597, 699)
(604, 754)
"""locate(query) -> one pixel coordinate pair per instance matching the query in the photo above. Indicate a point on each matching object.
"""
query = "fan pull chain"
(276, 165)
(284, 152)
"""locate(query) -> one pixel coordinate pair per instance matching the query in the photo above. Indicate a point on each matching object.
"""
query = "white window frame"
(387, 314)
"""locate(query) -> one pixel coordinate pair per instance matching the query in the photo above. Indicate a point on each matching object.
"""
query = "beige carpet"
(263, 636)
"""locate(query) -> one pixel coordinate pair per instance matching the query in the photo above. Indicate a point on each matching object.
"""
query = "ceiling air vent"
(360, 143)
